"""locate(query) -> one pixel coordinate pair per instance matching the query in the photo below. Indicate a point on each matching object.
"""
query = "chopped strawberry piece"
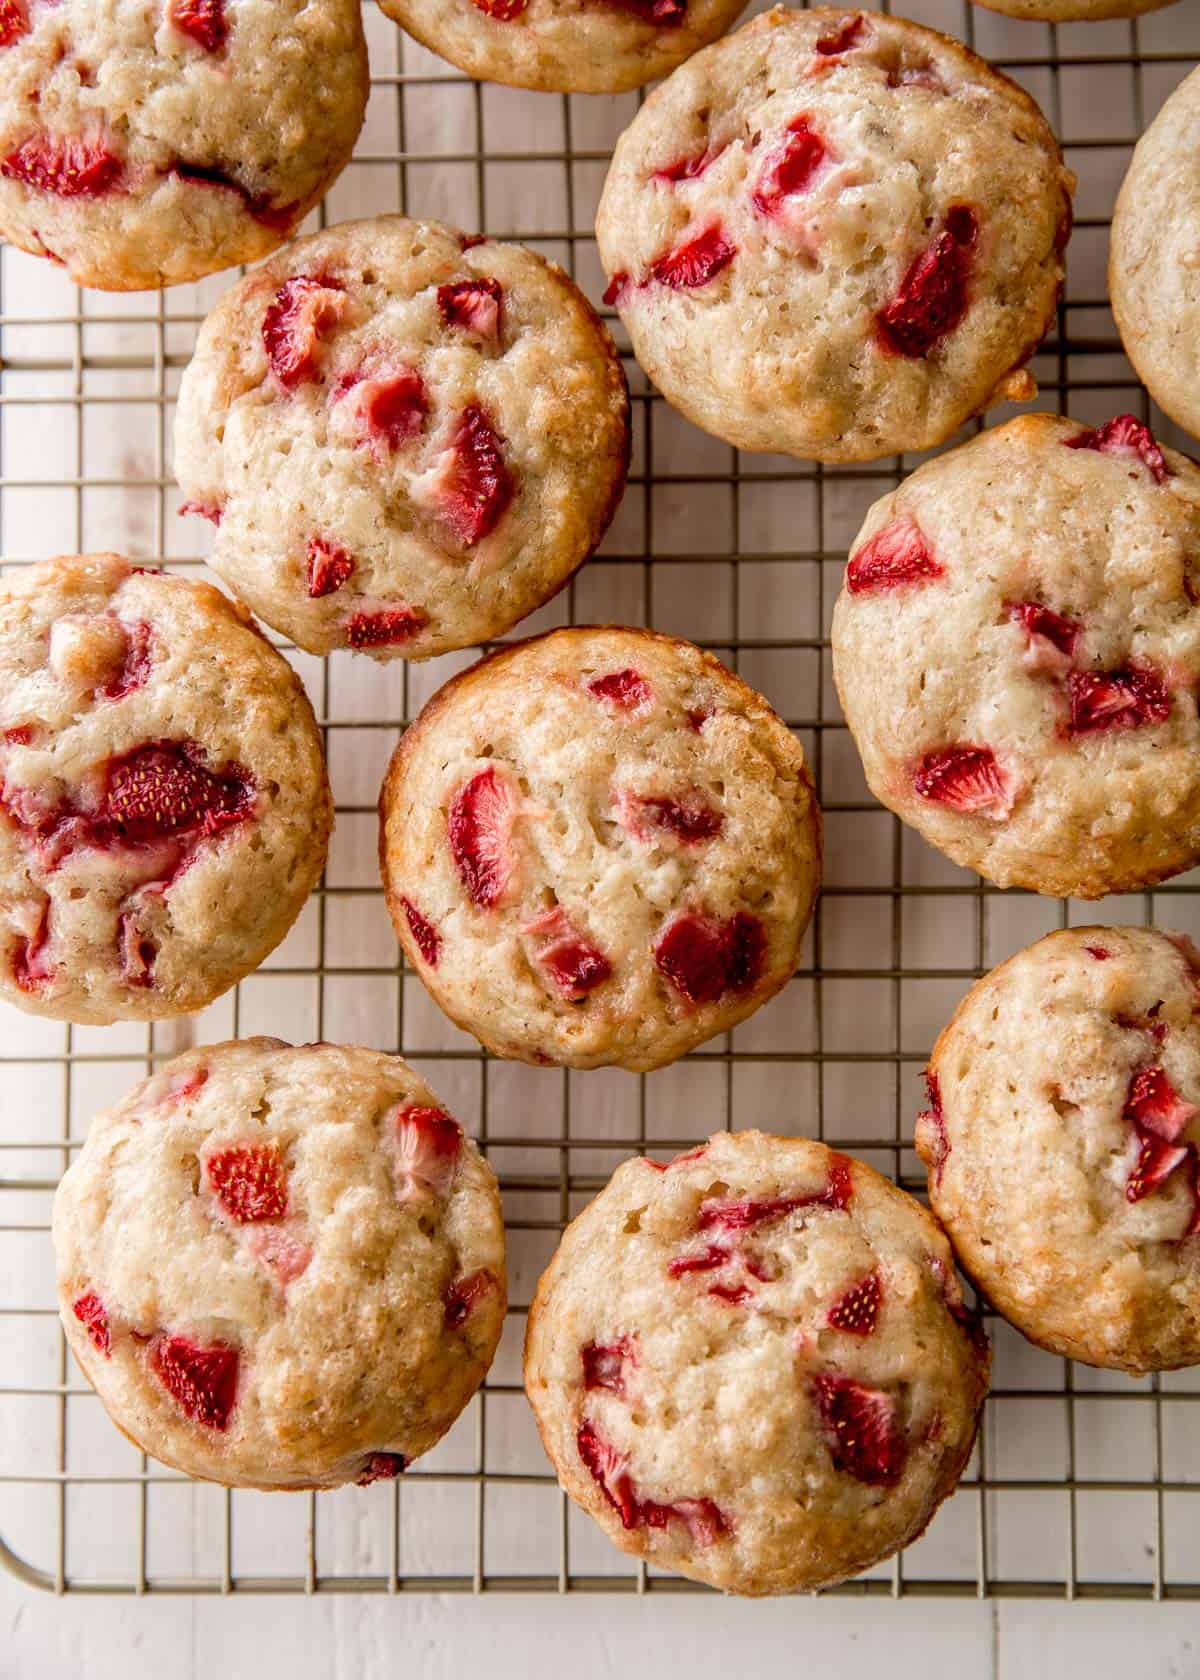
(205, 510)
(20, 735)
(686, 169)
(694, 263)
(203, 20)
(1117, 700)
(709, 1259)
(300, 315)
(428, 939)
(616, 289)
(329, 566)
(504, 11)
(856, 1311)
(705, 1521)
(136, 663)
(932, 1142)
(1193, 1228)
(789, 168)
(14, 21)
(897, 555)
(574, 964)
(969, 1319)
(384, 628)
(849, 32)
(604, 1363)
(734, 1294)
(201, 1380)
(1125, 435)
(1154, 1105)
(138, 951)
(286, 1255)
(1156, 1161)
(1147, 1024)
(462, 1296)
(662, 14)
(966, 778)
(861, 1427)
(690, 818)
(742, 1215)
(162, 789)
(703, 958)
(1098, 952)
(624, 691)
(66, 167)
(428, 1146)
(932, 298)
(389, 404)
(1046, 626)
(474, 486)
(381, 1467)
(91, 1312)
(32, 968)
(697, 718)
(480, 827)
(250, 1180)
(279, 217)
(474, 305)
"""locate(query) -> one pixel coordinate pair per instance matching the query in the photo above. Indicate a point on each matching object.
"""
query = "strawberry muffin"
(836, 235)
(1017, 648)
(1154, 269)
(408, 439)
(565, 46)
(281, 1268)
(164, 808)
(753, 1364)
(1073, 11)
(153, 141)
(599, 848)
(1062, 1140)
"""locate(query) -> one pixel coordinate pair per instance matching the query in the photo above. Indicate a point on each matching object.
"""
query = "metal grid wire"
(1084, 1483)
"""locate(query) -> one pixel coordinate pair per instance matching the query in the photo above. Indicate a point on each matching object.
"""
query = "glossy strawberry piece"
(704, 958)
(428, 1144)
(504, 11)
(463, 1295)
(474, 305)
(201, 1380)
(32, 968)
(1154, 1105)
(856, 1311)
(250, 1180)
(480, 826)
(203, 20)
(694, 263)
(704, 1520)
(749, 1212)
(624, 691)
(1044, 625)
(709, 1259)
(660, 14)
(329, 566)
(1097, 953)
(789, 168)
(389, 403)
(690, 818)
(68, 168)
(1156, 1161)
(733, 1294)
(14, 21)
(91, 1312)
(384, 628)
(136, 663)
(686, 168)
(1116, 700)
(965, 778)
(428, 940)
(933, 295)
(297, 320)
(204, 510)
(1125, 435)
(604, 1364)
(617, 289)
(381, 1467)
(862, 1430)
(475, 486)
(162, 789)
(850, 32)
(572, 962)
(896, 556)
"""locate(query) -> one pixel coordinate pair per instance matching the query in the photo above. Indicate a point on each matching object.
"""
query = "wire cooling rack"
(1084, 1483)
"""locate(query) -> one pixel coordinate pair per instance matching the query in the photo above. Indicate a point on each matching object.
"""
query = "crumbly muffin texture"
(1062, 1140)
(153, 141)
(565, 46)
(599, 847)
(164, 807)
(1153, 271)
(1073, 11)
(836, 235)
(1017, 648)
(409, 439)
(753, 1365)
(281, 1268)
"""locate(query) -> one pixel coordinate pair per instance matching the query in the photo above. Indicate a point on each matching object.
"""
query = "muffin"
(1073, 11)
(1062, 1141)
(281, 1268)
(836, 235)
(753, 1365)
(144, 144)
(599, 847)
(408, 439)
(1017, 646)
(164, 807)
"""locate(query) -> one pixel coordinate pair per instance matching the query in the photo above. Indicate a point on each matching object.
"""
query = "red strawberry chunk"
(67, 167)
(14, 21)
(162, 789)
(428, 939)
(741, 1215)
(32, 968)
(173, 1088)
(205, 510)
(390, 404)
(463, 1295)
(694, 263)
(201, 1380)
(480, 826)
(690, 818)
(705, 1521)
(384, 628)
(850, 31)
(250, 1180)
(474, 305)
(1125, 435)
(1117, 700)
(703, 957)
(203, 20)
(381, 1467)
(1156, 1161)
(789, 168)
(138, 951)
(624, 691)
(575, 965)
(966, 778)
(136, 663)
(709, 1259)
(1193, 1228)
(734, 1294)
(280, 217)
(897, 555)
(91, 1312)
(931, 1128)
(1154, 1105)
(616, 289)
(661, 14)
(604, 1363)
(685, 169)
(861, 1427)
(302, 312)
(1098, 952)
(932, 299)
(20, 735)
(1043, 624)
(474, 486)
(329, 566)
(428, 1144)
(286, 1255)
(856, 1311)
(504, 11)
